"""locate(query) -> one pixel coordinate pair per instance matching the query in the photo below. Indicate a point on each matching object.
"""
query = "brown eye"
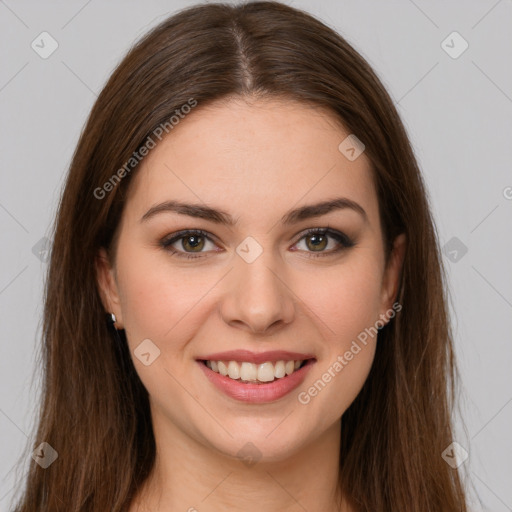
(318, 242)
(318, 239)
(194, 243)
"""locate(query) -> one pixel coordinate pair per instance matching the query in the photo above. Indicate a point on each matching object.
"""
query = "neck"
(192, 477)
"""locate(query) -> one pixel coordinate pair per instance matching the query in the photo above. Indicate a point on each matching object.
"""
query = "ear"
(391, 278)
(107, 284)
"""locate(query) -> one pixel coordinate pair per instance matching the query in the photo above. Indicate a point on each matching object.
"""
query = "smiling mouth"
(251, 373)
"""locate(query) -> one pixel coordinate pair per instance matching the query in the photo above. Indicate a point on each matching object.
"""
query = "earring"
(111, 320)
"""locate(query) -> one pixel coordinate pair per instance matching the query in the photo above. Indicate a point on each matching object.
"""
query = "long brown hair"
(94, 409)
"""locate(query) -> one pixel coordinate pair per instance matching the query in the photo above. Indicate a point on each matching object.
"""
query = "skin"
(256, 160)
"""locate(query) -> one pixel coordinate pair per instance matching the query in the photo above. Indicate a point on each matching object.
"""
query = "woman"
(245, 208)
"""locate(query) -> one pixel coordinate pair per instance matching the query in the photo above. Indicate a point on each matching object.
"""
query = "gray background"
(458, 112)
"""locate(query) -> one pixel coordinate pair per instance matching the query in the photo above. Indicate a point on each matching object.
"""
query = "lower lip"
(257, 393)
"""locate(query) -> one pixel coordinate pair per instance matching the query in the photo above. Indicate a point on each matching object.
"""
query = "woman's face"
(253, 281)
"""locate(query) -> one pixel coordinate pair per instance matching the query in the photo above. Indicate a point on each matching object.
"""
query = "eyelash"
(344, 241)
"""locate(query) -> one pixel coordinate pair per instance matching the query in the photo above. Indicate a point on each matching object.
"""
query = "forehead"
(255, 159)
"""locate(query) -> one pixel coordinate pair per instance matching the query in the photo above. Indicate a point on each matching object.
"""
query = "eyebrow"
(221, 217)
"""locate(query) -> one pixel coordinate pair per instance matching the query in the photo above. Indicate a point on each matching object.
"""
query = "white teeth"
(233, 370)
(279, 370)
(247, 372)
(266, 372)
(223, 369)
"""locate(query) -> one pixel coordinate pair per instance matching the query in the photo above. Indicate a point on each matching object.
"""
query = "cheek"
(159, 299)
(345, 298)
(346, 301)
(350, 309)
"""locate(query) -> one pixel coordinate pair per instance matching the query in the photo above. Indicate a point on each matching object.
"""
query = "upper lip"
(254, 357)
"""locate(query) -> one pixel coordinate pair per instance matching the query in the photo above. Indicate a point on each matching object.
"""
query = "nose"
(258, 298)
